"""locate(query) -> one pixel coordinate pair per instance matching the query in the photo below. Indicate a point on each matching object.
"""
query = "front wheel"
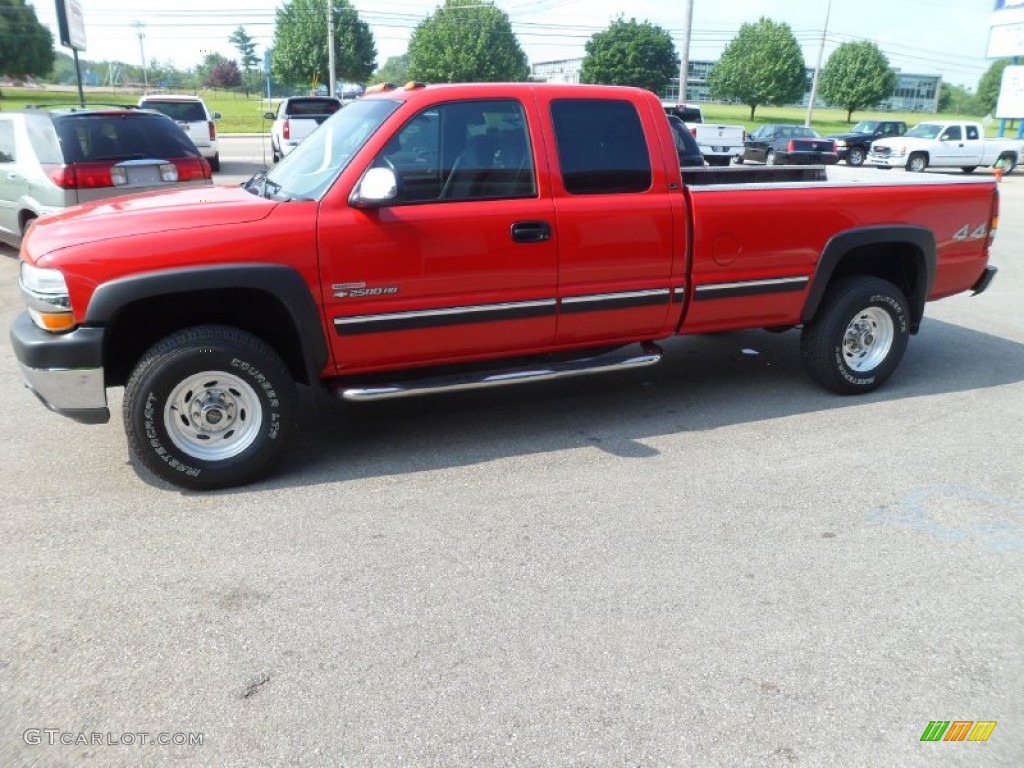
(209, 407)
(917, 162)
(855, 156)
(969, 168)
(769, 159)
(858, 336)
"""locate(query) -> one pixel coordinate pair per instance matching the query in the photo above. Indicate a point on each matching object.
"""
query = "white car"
(196, 120)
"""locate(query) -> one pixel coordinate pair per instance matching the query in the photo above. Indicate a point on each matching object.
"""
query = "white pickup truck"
(720, 144)
(296, 118)
(945, 144)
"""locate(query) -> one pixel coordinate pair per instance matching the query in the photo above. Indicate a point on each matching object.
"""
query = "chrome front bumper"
(64, 371)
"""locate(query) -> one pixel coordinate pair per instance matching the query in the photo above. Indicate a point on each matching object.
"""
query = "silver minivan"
(51, 159)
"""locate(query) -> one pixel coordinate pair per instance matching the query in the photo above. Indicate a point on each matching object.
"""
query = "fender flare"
(282, 282)
(837, 248)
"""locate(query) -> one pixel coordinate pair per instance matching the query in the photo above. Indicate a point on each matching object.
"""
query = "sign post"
(71, 28)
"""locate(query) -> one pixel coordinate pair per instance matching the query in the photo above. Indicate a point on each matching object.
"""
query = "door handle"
(531, 231)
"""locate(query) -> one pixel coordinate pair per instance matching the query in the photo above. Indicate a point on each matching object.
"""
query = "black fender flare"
(836, 249)
(282, 282)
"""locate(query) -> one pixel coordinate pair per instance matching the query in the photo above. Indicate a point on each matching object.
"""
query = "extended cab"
(295, 119)
(451, 237)
(720, 144)
(945, 144)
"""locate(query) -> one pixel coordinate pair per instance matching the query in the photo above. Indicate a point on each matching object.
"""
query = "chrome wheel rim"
(868, 339)
(213, 416)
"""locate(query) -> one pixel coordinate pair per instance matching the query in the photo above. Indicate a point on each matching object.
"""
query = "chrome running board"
(608, 363)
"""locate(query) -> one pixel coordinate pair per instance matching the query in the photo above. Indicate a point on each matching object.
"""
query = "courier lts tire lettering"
(209, 407)
(859, 335)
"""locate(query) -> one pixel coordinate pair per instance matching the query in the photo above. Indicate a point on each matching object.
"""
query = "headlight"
(840, 143)
(46, 294)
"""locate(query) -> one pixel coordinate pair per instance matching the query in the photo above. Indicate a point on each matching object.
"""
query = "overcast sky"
(945, 37)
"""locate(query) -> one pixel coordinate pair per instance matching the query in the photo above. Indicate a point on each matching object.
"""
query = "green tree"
(989, 85)
(856, 75)
(957, 100)
(209, 63)
(762, 65)
(26, 46)
(631, 53)
(466, 41)
(300, 43)
(394, 70)
(246, 48)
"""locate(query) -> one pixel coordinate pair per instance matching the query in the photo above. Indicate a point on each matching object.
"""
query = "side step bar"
(651, 354)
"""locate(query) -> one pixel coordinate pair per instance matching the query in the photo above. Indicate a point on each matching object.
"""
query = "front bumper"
(65, 371)
(886, 161)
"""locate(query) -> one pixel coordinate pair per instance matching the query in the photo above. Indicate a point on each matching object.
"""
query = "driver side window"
(459, 151)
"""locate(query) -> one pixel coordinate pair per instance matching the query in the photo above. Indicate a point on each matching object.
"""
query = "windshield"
(308, 172)
(865, 126)
(924, 131)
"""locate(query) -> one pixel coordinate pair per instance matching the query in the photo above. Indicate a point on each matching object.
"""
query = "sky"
(944, 37)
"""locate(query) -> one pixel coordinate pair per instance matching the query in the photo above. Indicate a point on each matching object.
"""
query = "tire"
(209, 407)
(969, 168)
(717, 161)
(917, 162)
(215, 163)
(738, 159)
(769, 159)
(856, 156)
(1009, 164)
(858, 336)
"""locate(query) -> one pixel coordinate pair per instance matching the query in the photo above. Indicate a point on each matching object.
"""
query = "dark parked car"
(686, 146)
(853, 146)
(789, 145)
(54, 158)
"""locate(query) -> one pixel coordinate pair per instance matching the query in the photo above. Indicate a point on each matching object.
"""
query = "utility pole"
(139, 26)
(817, 68)
(330, 51)
(684, 56)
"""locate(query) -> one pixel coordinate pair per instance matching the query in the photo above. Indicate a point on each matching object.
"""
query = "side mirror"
(269, 116)
(376, 189)
(217, 115)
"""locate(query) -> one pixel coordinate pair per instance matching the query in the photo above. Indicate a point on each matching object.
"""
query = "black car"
(853, 146)
(789, 145)
(686, 146)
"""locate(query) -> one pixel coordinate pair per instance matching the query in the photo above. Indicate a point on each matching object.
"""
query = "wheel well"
(139, 325)
(901, 263)
(24, 219)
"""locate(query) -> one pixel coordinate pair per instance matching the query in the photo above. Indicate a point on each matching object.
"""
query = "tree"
(246, 48)
(394, 70)
(466, 41)
(300, 43)
(630, 53)
(856, 75)
(225, 74)
(209, 63)
(762, 65)
(989, 86)
(957, 100)
(26, 46)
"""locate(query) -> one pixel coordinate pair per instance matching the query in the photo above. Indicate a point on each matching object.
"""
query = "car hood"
(146, 214)
(851, 136)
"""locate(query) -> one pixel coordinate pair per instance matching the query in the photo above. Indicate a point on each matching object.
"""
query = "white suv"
(191, 114)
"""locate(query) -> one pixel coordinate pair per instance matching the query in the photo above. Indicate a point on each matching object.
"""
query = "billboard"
(71, 24)
(1011, 95)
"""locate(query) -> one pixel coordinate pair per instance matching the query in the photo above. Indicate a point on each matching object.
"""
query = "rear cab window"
(601, 147)
(182, 111)
(298, 108)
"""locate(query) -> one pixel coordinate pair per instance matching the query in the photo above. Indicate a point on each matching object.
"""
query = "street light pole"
(684, 56)
(817, 68)
(330, 51)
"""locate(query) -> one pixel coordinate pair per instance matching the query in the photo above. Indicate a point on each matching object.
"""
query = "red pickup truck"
(446, 237)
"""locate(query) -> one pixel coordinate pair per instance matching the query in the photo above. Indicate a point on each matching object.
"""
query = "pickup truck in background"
(451, 237)
(295, 119)
(945, 144)
(854, 145)
(720, 144)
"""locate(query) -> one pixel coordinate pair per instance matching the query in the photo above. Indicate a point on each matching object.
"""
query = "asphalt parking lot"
(712, 562)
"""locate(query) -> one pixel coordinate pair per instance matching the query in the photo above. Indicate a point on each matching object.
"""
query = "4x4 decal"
(965, 233)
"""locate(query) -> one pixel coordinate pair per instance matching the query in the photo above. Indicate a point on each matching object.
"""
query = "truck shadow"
(703, 383)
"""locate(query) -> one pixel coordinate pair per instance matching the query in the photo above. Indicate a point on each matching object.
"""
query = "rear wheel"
(1009, 162)
(858, 336)
(209, 407)
(855, 156)
(215, 163)
(917, 162)
(968, 168)
(769, 159)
